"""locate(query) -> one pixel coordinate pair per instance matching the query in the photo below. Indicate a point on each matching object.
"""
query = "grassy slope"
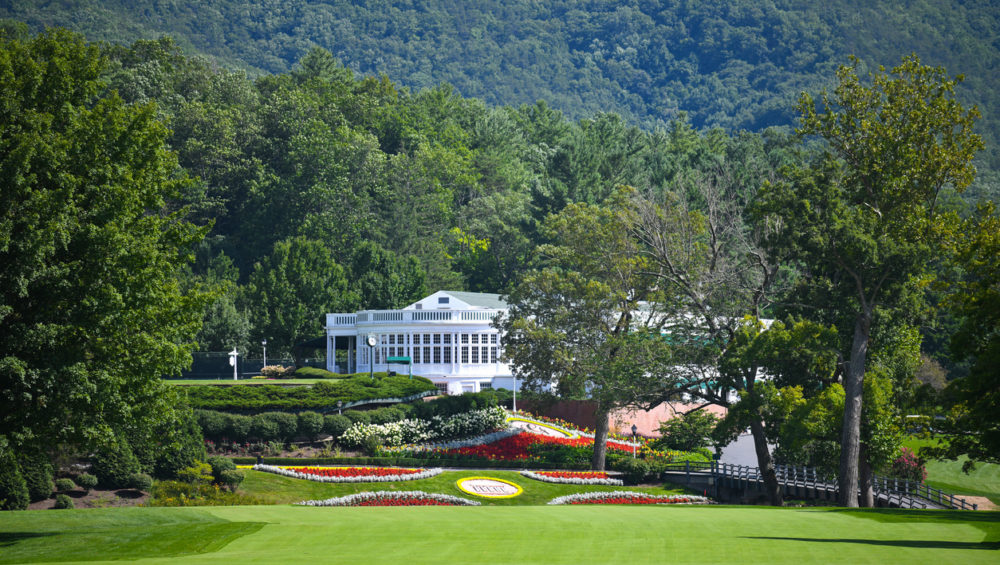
(534, 534)
(276, 489)
(249, 382)
(948, 475)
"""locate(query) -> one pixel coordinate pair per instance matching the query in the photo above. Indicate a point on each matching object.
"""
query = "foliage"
(908, 466)
(113, 464)
(198, 474)
(86, 481)
(688, 431)
(973, 425)
(13, 489)
(865, 221)
(91, 237)
(291, 289)
(230, 479)
(336, 425)
(634, 471)
(63, 502)
(309, 425)
(37, 472)
(182, 493)
(140, 481)
(179, 443)
(65, 484)
(278, 372)
(322, 396)
(315, 373)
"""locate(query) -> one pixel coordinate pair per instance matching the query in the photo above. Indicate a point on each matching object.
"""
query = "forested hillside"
(737, 65)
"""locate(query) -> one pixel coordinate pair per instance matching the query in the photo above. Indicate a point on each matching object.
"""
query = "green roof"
(479, 299)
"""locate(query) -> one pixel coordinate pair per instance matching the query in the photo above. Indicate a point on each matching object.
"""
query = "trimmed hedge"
(13, 489)
(114, 464)
(316, 373)
(37, 472)
(321, 397)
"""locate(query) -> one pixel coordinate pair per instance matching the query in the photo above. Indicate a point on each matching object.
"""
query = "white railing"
(423, 316)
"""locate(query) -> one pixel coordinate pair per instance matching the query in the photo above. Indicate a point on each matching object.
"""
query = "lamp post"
(515, 393)
(263, 344)
(232, 361)
(635, 432)
(340, 403)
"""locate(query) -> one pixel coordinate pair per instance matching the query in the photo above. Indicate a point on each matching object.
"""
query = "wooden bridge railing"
(899, 492)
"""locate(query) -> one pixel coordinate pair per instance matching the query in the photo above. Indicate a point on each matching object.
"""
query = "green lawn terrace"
(500, 534)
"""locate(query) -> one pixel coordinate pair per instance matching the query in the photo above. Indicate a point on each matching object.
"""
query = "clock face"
(372, 341)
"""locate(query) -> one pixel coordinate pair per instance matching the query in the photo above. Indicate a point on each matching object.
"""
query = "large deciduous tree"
(577, 325)
(91, 314)
(865, 222)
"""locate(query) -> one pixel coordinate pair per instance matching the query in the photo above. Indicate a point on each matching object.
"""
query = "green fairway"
(527, 534)
(948, 475)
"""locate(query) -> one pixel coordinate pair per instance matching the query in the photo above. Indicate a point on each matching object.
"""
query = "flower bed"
(516, 447)
(573, 477)
(350, 474)
(392, 498)
(627, 497)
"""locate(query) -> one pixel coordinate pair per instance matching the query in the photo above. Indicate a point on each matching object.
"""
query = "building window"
(493, 355)
(465, 339)
(392, 339)
(443, 300)
(427, 355)
(442, 387)
(447, 339)
(399, 339)
(427, 339)
(437, 354)
(447, 354)
(493, 339)
(475, 339)
(486, 386)
(437, 339)
(475, 355)
(465, 354)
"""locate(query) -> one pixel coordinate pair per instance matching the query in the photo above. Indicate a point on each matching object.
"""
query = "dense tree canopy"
(91, 310)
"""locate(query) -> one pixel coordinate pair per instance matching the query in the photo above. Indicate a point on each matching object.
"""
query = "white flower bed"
(572, 480)
(609, 495)
(425, 474)
(412, 431)
(458, 444)
(403, 496)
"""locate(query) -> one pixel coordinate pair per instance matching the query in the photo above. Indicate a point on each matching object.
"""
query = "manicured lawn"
(948, 475)
(276, 489)
(524, 535)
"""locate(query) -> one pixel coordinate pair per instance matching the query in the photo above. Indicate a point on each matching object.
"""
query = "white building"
(448, 336)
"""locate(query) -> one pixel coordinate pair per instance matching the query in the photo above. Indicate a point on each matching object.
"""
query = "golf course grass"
(526, 534)
(948, 476)
(277, 489)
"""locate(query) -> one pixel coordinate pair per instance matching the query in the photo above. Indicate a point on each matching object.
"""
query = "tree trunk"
(850, 437)
(865, 479)
(765, 462)
(601, 418)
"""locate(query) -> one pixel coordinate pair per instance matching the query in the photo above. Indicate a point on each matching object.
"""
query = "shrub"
(230, 479)
(310, 424)
(315, 373)
(238, 427)
(264, 428)
(37, 472)
(277, 372)
(114, 463)
(288, 424)
(688, 432)
(214, 425)
(86, 481)
(176, 493)
(140, 481)
(65, 485)
(336, 425)
(220, 464)
(181, 444)
(197, 474)
(13, 489)
(63, 502)
(634, 470)
(357, 416)
(908, 466)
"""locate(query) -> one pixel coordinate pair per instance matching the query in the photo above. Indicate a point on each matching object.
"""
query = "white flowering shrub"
(411, 431)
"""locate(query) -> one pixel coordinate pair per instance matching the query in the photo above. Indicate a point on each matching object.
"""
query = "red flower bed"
(574, 474)
(355, 471)
(516, 447)
(631, 500)
(407, 502)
